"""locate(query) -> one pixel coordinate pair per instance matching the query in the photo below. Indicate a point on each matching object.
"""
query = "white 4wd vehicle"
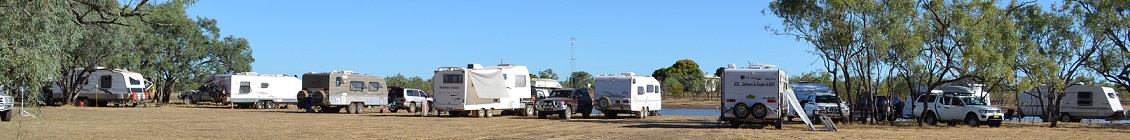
(409, 99)
(954, 106)
(826, 104)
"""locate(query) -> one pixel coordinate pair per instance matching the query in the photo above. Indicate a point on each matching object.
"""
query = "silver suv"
(957, 106)
(409, 99)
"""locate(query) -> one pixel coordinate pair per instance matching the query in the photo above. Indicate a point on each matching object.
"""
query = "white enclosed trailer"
(628, 93)
(250, 89)
(758, 94)
(481, 90)
(1079, 102)
(106, 86)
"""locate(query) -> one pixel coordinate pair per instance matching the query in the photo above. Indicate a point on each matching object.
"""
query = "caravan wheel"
(490, 112)
(740, 110)
(350, 108)
(759, 111)
(188, 101)
(529, 110)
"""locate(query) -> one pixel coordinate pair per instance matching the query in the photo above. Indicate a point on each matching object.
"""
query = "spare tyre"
(604, 103)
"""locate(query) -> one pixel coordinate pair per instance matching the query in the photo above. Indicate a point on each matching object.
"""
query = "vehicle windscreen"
(971, 101)
(561, 93)
(827, 99)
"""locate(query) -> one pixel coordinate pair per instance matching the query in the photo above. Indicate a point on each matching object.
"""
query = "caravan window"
(244, 87)
(264, 85)
(375, 86)
(339, 82)
(452, 78)
(1084, 98)
(651, 88)
(134, 81)
(106, 81)
(356, 85)
(1112, 95)
(640, 90)
(520, 81)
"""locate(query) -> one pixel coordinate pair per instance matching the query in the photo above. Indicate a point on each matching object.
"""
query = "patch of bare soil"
(213, 122)
(690, 103)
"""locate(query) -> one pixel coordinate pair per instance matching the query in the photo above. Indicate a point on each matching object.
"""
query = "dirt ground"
(190, 122)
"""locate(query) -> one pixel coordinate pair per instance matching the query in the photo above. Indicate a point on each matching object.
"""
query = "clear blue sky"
(416, 37)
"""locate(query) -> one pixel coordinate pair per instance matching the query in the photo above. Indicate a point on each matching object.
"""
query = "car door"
(952, 109)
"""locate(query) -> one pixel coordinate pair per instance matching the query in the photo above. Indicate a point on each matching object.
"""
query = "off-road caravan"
(758, 94)
(627, 93)
(106, 86)
(262, 91)
(331, 91)
(1080, 102)
(481, 90)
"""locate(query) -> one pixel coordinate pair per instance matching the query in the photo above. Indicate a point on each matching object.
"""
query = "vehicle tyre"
(412, 108)
(360, 108)
(994, 124)
(585, 115)
(759, 111)
(188, 101)
(6, 115)
(481, 113)
(542, 115)
(566, 114)
(740, 110)
(1065, 118)
(349, 109)
(489, 112)
(272, 105)
(530, 110)
(971, 120)
(931, 119)
(393, 109)
(603, 103)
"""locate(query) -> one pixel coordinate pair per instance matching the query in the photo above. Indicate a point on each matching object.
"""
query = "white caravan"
(542, 87)
(106, 86)
(481, 90)
(249, 89)
(627, 93)
(1080, 102)
(758, 94)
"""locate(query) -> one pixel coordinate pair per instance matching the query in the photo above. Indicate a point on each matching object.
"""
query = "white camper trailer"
(1080, 102)
(481, 90)
(628, 93)
(249, 89)
(106, 86)
(758, 94)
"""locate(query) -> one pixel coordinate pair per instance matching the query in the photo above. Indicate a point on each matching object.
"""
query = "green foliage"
(687, 73)
(580, 79)
(547, 73)
(673, 86)
(415, 82)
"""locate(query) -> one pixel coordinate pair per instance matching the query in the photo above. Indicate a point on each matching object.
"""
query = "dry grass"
(173, 122)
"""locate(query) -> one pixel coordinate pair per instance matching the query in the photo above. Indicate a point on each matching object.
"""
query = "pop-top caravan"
(758, 94)
(627, 93)
(1080, 102)
(262, 91)
(331, 91)
(106, 86)
(481, 90)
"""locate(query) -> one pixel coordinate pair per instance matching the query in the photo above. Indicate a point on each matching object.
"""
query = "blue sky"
(416, 37)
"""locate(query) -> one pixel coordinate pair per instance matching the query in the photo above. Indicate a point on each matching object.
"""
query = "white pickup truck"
(957, 104)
